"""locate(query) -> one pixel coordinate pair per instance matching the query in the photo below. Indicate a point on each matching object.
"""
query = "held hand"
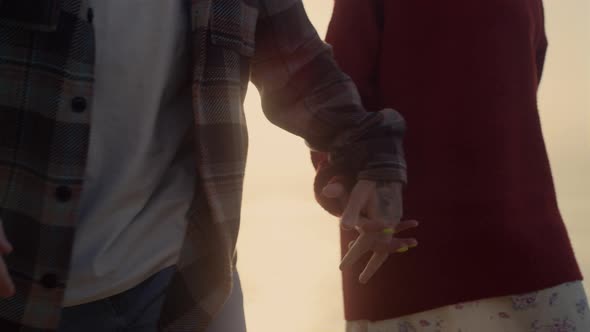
(374, 210)
(381, 242)
(6, 284)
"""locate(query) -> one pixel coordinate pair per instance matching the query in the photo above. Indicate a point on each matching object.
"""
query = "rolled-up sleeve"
(304, 92)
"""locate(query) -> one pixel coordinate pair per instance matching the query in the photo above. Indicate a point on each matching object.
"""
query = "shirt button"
(63, 193)
(49, 280)
(78, 104)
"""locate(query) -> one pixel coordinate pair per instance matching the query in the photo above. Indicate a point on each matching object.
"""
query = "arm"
(357, 49)
(303, 91)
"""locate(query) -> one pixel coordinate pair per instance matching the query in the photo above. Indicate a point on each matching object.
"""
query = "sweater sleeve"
(355, 33)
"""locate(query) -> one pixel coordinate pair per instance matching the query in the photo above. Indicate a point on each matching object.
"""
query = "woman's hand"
(374, 209)
(382, 242)
(6, 284)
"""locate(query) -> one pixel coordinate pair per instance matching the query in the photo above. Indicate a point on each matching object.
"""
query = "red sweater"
(464, 74)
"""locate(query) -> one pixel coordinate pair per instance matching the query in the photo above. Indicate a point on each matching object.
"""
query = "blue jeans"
(138, 310)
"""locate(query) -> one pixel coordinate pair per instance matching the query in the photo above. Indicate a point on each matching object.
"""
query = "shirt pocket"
(233, 25)
(35, 15)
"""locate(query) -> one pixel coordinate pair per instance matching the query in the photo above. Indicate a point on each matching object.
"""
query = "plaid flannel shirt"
(46, 89)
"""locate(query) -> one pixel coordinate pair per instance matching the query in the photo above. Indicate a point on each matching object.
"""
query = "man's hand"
(6, 284)
(374, 209)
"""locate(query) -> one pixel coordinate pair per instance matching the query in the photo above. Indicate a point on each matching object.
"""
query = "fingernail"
(403, 249)
(413, 245)
(346, 226)
(326, 193)
(388, 230)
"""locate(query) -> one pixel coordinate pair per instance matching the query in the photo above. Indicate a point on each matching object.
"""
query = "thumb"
(333, 190)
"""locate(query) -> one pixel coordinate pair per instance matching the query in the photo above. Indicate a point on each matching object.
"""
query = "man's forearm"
(303, 91)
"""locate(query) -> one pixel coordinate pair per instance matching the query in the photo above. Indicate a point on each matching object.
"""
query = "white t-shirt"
(141, 169)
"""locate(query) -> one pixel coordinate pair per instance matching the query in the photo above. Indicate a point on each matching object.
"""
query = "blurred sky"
(288, 246)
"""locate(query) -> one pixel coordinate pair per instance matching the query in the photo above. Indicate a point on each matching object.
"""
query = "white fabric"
(558, 309)
(140, 173)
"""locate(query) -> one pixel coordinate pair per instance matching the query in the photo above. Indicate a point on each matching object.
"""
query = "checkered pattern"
(46, 61)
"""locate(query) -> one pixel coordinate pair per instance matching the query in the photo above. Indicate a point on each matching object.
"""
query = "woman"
(494, 254)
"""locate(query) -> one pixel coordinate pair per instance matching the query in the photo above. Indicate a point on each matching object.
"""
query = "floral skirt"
(563, 308)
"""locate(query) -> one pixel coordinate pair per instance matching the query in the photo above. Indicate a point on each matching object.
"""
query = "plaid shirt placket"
(46, 87)
(43, 143)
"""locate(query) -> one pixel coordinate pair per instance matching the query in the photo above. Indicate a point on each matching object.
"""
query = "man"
(123, 145)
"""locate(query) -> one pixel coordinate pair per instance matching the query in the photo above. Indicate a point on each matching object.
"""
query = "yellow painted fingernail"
(404, 249)
(388, 230)
(413, 245)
